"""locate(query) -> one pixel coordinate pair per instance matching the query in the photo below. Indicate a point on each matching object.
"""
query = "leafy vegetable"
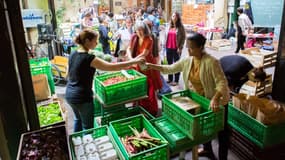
(49, 114)
(140, 141)
(44, 145)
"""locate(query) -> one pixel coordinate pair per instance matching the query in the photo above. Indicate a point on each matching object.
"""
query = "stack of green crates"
(122, 91)
(120, 128)
(262, 135)
(177, 140)
(43, 66)
(199, 126)
(128, 112)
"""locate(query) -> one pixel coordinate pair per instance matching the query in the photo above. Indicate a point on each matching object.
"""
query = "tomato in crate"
(113, 88)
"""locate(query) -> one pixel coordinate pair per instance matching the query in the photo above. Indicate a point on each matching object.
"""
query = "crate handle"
(208, 116)
(126, 123)
(148, 155)
(177, 94)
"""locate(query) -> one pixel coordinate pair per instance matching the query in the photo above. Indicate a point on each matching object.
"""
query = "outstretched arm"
(106, 66)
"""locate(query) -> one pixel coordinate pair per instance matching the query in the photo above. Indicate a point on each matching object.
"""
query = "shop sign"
(32, 17)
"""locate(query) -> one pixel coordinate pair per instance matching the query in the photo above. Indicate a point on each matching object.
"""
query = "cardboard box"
(41, 87)
(257, 88)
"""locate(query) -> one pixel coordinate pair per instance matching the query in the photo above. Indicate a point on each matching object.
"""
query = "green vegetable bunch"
(49, 114)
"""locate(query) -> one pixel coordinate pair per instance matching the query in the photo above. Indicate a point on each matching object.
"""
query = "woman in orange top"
(141, 46)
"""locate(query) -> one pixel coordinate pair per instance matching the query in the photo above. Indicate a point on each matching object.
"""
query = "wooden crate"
(261, 58)
(257, 88)
(219, 44)
(63, 111)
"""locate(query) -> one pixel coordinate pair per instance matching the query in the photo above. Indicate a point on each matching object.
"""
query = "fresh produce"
(49, 144)
(49, 114)
(114, 80)
(98, 148)
(140, 141)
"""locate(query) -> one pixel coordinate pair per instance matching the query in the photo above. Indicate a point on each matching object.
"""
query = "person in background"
(87, 22)
(174, 41)
(104, 38)
(161, 15)
(124, 35)
(112, 23)
(79, 15)
(155, 52)
(154, 19)
(236, 68)
(244, 25)
(81, 71)
(139, 15)
(203, 74)
(231, 32)
(141, 46)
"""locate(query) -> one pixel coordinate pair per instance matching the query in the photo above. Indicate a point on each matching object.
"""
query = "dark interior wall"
(16, 90)
(278, 91)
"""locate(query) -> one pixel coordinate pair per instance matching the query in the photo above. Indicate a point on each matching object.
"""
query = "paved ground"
(60, 90)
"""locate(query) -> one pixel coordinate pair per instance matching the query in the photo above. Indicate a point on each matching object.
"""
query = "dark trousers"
(172, 56)
(117, 50)
(240, 40)
(223, 138)
(106, 48)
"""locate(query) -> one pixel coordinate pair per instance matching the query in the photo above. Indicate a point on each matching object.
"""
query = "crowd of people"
(138, 42)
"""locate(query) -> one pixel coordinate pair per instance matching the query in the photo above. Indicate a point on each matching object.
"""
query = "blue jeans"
(83, 115)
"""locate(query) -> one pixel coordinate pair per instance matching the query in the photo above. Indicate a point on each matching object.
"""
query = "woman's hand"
(148, 65)
(139, 60)
(214, 104)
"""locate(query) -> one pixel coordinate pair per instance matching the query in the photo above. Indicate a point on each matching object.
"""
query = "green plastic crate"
(170, 132)
(122, 91)
(97, 107)
(100, 110)
(96, 133)
(197, 126)
(120, 128)
(130, 111)
(262, 135)
(178, 141)
(43, 66)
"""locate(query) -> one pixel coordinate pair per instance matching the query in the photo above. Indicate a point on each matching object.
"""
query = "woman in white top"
(124, 35)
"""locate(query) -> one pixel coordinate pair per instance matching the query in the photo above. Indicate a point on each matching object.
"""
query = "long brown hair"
(178, 22)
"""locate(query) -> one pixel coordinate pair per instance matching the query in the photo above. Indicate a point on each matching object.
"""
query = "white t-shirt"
(126, 36)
